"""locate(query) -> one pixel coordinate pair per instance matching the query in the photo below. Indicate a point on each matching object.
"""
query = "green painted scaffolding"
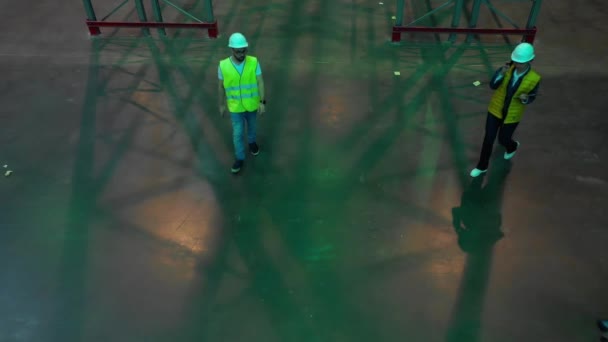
(528, 32)
(204, 20)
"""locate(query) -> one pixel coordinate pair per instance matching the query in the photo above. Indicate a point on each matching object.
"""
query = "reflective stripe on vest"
(241, 90)
(516, 108)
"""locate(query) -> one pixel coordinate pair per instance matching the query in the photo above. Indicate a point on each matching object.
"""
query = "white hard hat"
(237, 41)
(523, 53)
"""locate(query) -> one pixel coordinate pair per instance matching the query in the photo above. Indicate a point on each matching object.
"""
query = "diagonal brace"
(500, 14)
(447, 4)
(182, 11)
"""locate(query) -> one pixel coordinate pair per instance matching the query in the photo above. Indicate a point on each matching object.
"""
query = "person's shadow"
(477, 221)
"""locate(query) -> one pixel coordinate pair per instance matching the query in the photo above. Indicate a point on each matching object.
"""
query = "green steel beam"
(475, 13)
(115, 10)
(209, 11)
(448, 3)
(456, 18)
(474, 17)
(400, 12)
(158, 16)
(500, 14)
(88, 7)
(180, 10)
(534, 12)
(141, 13)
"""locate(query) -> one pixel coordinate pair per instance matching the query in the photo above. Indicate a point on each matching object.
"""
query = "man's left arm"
(258, 75)
(261, 90)
(261, 87)
(532, 95)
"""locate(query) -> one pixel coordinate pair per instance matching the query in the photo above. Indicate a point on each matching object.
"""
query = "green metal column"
(88, 7)
(141, 13)
(474, 16)
(456, 18)
(400, 12)
(209, 9)
(158, 16)
(475, 13)
(533, 14)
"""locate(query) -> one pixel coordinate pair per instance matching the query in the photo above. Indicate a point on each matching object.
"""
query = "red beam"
(528, 34)
(95, 25)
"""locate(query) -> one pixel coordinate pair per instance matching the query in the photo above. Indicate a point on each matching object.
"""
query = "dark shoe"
(602, 324)
(254, 149)
(236, 167)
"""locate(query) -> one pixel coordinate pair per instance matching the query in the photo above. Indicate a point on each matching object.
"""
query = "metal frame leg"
(474, 16)
(209, 10)
(534, 12)
(88, 8)
(141, 13)
(212, 32)
(400, 12)
(158, 16)
(529, 33)
(456, 18)
(399, 21)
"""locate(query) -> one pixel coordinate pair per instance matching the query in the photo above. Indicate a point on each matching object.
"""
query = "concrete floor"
(122, 222)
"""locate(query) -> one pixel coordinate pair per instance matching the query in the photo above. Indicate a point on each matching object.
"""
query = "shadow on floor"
(477, 221)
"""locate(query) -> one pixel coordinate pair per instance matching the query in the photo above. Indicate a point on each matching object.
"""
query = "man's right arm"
(221, 94)
(497, 79)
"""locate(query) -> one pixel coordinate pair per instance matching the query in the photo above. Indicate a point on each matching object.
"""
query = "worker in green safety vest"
(516, 86)
(241, 90)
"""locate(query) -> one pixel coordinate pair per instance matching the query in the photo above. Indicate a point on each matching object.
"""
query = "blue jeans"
(238, 127)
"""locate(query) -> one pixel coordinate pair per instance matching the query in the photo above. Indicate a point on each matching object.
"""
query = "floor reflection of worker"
(516, 85)
(477, 221)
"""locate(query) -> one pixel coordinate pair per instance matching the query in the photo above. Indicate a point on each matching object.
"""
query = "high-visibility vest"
(241, 90)
(516, 108)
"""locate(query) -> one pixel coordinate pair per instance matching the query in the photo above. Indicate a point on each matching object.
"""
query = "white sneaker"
(510, 155)
(476, 172)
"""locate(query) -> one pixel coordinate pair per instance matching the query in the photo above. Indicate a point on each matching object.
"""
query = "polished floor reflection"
(358, 221)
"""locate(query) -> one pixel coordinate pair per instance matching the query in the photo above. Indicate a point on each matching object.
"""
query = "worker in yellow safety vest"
(241, 89)
(516, 86)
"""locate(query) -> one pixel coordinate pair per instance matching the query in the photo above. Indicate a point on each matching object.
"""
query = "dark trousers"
(495, 126)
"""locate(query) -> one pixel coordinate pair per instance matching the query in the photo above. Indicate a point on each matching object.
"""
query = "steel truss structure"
(209, 24)
(528, 33)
